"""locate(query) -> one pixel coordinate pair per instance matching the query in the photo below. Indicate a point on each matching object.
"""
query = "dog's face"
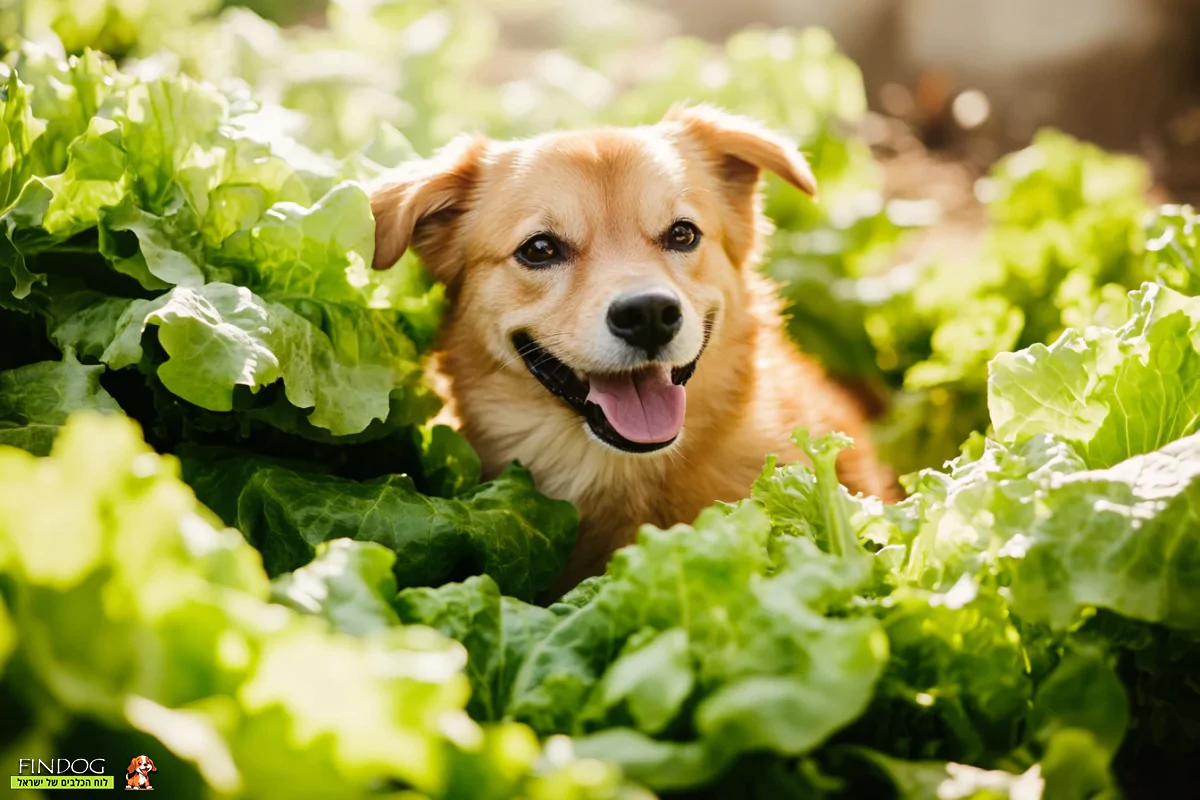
(598, 264)
(141, 765)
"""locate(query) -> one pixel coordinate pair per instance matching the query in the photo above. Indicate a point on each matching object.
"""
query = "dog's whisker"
(532, 346)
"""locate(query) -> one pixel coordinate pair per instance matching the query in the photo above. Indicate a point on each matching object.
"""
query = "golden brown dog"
(608, 325)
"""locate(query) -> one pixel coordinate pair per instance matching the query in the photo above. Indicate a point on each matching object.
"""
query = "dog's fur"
(611, 193)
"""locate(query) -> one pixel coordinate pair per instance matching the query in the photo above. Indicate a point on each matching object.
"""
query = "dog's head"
(141, 765)
(601, 262)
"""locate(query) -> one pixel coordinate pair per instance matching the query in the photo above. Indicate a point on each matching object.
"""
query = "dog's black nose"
(647, 319)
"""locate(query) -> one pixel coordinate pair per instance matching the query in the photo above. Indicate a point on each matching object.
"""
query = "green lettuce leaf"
(165, 126)
(1110, 393)
(17, 163)
(449, 465)
(1082, 693)
(94, 178)
(503, 528)
(321, 252)
(958, 674)
(1173, 248)
(36, 400)
(66, 95)
(497, 631)
(348, 583)
(342, 362)
(1125, 538)
(17, 139)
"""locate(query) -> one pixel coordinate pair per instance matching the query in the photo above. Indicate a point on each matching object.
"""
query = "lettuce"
(1173, 248)
(503, 527)
(184, 240)
(497, 631)
(1064, 246)
(110, 25)
(665, 646)
(243, 256)
(1110, 393)
(346, 583)
(340, 362)
(129, 605)
(36, 400)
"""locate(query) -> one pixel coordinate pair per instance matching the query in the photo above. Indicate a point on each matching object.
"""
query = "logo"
(61, 773)
(137, 774)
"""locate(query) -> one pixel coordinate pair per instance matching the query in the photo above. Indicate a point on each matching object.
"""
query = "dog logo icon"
(137, 775)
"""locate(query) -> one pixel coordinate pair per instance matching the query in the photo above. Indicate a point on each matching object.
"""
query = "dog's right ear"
(417, 205)
(132, 768)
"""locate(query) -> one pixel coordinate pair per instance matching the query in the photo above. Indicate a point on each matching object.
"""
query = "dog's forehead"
(599, 151)
(633, 172)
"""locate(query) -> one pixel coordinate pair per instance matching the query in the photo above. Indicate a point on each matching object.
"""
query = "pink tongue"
(644, 407)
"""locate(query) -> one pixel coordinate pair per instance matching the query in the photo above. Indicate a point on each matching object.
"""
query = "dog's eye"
(542, 250)
(682, 236)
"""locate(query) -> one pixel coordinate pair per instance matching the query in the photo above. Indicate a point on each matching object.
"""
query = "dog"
(608, 326)
(137, 774)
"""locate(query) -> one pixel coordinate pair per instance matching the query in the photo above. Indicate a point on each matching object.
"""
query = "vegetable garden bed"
(230, 537)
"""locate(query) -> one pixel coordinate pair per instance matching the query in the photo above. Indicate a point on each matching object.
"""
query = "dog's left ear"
(737, 150)
(152, 767)
(418, 204)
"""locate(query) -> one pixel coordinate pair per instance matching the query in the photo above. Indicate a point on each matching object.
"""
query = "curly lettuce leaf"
(168, 250)
(342, 362)
(1125, 538)
(184, 199)
(1066, 539)
(66, 95)
(318, 252)
(17, 164)
(1110, 393)
(17, 140)
(1173, 248)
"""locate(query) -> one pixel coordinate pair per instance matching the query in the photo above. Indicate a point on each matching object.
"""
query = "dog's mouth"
(636, 411)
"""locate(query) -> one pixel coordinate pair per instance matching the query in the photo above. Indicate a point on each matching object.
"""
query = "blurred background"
(970, 201)
(973, 79)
